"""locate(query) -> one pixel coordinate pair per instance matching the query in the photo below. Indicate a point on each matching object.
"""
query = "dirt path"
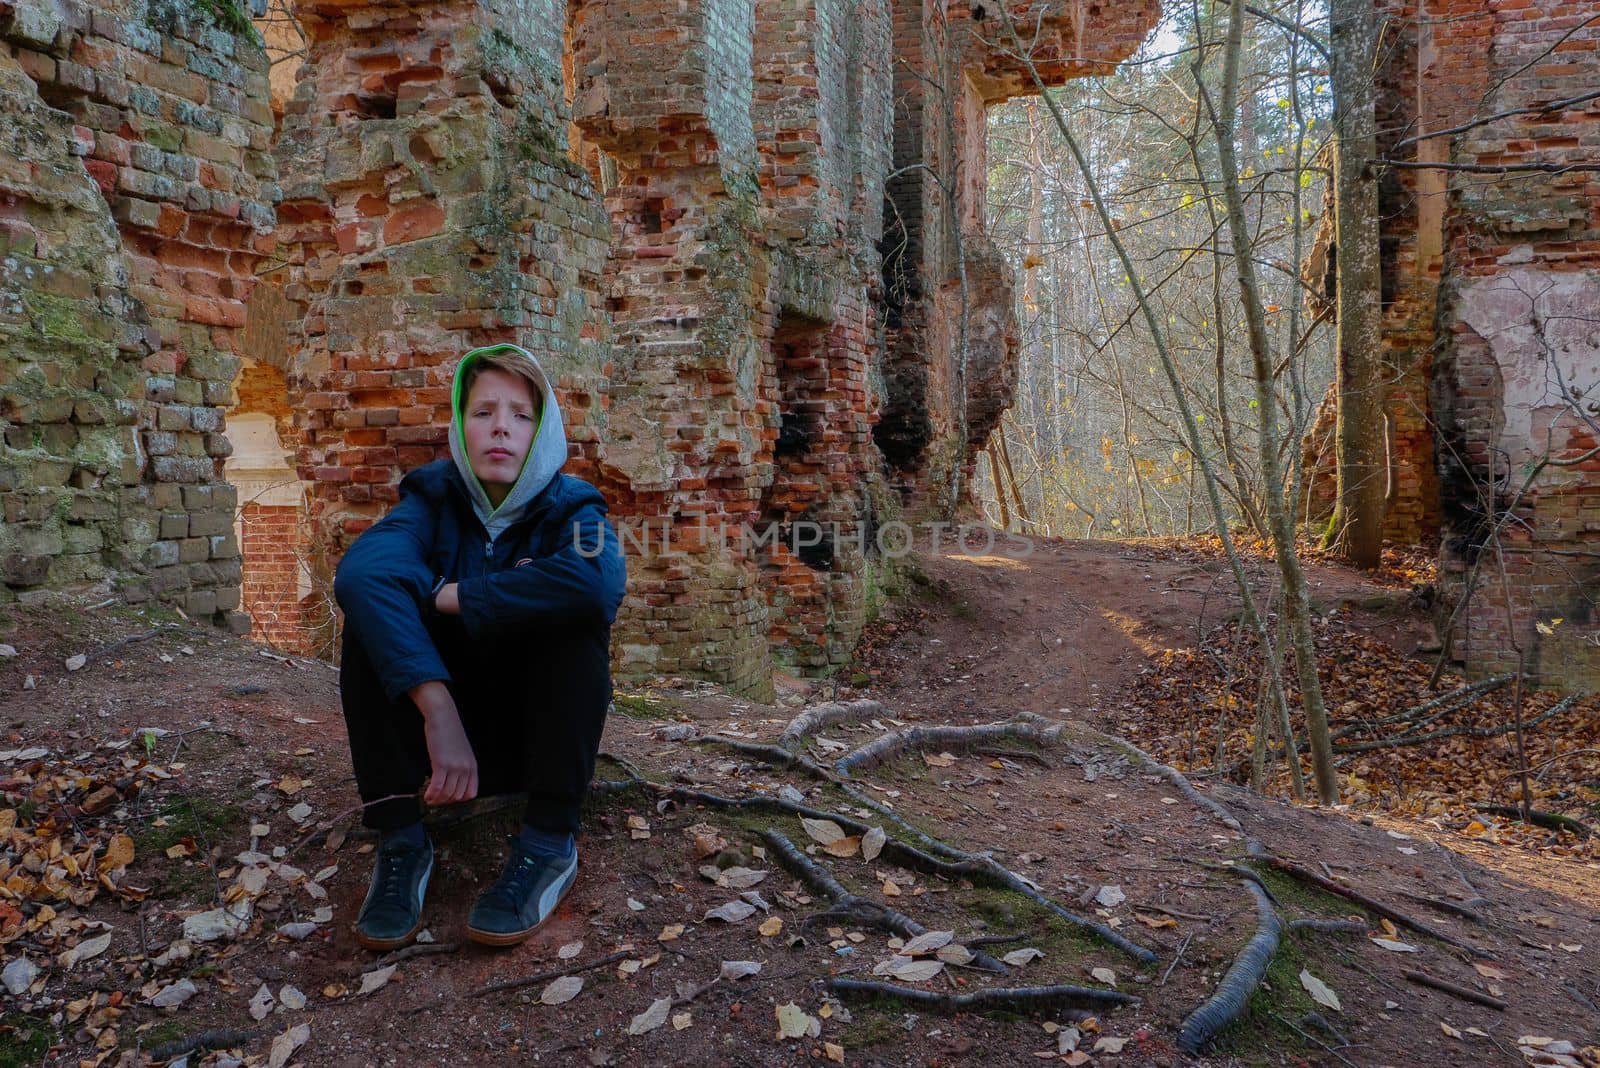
(1077, 818)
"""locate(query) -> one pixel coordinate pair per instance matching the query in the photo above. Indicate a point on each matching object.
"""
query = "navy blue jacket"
(558, 565)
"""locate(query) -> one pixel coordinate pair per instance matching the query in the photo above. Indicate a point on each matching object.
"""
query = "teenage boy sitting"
(478, 617)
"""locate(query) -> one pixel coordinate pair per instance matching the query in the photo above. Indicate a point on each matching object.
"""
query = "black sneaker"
(392, 912)
(525, 895)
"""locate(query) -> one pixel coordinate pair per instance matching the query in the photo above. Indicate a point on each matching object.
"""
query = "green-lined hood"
(545, 456)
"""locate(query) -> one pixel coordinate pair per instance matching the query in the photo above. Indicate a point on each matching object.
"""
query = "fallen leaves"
(771, 926)
(795, 1022)
(284, 1046)
(1019, 957)
(651, 1018)
(732, 912)
(1320, 992)
(87, 949)
(561, 990)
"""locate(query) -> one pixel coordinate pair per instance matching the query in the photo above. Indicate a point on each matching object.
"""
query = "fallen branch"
(1444, 700)
(1244, 976)
(1372, 905)
(870, 913)
(214, 1038)
(1553, 821)
(1023, 997)
(1439, 903)
(1182, 948)
(1462, 992)
(892, 744)
(552, 973)
(1403, 740)
(818, 717)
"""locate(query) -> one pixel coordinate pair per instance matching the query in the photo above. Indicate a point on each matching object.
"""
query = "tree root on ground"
(1177, 780)
(1233, 992)
(1329, 926)
(887, 747)
(867, 913)
(1013, 998)
(215, 1038)
(818, 717)
(971, 866)
(552, 973)
(1306, 875)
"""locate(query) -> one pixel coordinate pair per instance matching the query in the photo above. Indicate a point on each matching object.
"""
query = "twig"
(992, 940)
(1182, 946)
(1464, 911)
(1165, 911)
(328, 824)
(985, 999)
(421, 949)
(214, 1038)
(870, 912)
(1452, 732)
(1462, 992)
(1244, 976)
(1313, 1038)
(552, 973)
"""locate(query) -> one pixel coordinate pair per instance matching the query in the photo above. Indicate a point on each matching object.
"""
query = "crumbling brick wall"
(136, 186)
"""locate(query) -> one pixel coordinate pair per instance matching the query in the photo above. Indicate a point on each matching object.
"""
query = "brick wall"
(138, 189)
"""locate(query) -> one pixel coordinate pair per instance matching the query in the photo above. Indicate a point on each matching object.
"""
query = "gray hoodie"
(545, 456)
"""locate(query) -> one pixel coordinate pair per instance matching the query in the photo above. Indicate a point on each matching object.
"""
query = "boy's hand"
(446, 601)
(455, 768)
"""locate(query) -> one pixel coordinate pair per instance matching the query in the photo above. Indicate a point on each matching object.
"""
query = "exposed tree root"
(1177, 780)
(1259, 853)
(972, 866)
(421, 949)
(1329, 926)
(1014, 998)
(818, 717)
(214, 1038)
(552, 973)
(891, 745)
(1245, 974)
(868, 913)
(1553, 821)
(1443, 905)
(1463, 992)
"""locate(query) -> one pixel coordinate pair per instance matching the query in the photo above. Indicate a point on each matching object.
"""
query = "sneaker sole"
(497, 938)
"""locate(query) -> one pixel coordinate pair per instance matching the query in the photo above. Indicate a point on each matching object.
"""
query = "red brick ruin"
(740, 235)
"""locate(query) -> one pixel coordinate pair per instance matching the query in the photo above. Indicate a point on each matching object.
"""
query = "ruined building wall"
(136, 186)
(1517, 369)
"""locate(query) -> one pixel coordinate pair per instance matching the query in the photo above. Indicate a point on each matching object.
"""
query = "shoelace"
(392, 878)
(515, 881)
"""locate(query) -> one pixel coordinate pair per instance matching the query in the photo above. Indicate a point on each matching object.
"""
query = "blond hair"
(510, 363)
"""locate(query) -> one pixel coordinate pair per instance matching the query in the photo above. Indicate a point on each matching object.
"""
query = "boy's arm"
(381, 584)
(580, 584)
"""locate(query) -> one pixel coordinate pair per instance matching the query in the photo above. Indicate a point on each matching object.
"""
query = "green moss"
(1262, 1035)
(870, 1027)
(24, 1040)
(201, 819)
(639, 705)
(158, 1035)
(56, 317)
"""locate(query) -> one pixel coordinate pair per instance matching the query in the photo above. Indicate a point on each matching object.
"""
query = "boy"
(478, 616)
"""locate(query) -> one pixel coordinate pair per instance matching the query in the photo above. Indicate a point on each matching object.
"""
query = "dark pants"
(533, 704)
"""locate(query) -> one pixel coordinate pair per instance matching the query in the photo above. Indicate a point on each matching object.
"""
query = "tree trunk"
(1356, 531)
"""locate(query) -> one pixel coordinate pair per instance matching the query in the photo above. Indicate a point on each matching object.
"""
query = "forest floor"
(180, 861)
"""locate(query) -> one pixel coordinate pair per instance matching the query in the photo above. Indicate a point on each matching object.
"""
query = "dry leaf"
(1110, 896)
(570, 950)
(76, 662)
(1019, 957)
(1076, 1058)
(732, 912)
(927, 942)
(1109, 1044)
(651, 1018)
(954, 954)
(261, 1004)
(914, 971)
(170, 997)
(770, 926)
(793, 1022)
(375, 979)
(1320, 992)
(119, 852)
(562, 990)
(844, 847)
(1394, 947)
(1155, 922)
(284, 1045)
(1104, 975)
(681, 1020)
(891, 888)
(834, 1052)
(739, 969)
(1447, 1029)
(85, 950)
(670, 932)
(291, 998)
(1490, 971)
(941, 760)
(822, 832)
(872, 844)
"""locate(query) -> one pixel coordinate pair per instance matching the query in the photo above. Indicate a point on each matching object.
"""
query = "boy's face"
(500, 420)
